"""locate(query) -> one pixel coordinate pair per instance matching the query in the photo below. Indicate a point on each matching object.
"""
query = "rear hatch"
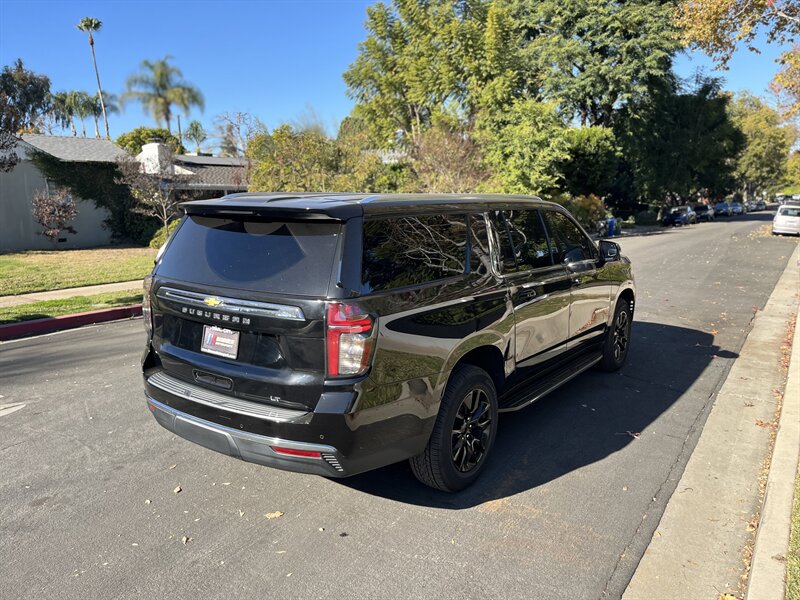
(238, 305)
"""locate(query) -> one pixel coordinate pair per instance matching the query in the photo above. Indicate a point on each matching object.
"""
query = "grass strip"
(37, 271)
(68, 306)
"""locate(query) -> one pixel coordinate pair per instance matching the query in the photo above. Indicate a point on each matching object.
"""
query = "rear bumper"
(347, 442)
(786, 230)
(248, 446)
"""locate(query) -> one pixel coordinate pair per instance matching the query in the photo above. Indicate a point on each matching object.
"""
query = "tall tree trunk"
(72, 126)
(96, 129)
(99, 87)
(83, 127)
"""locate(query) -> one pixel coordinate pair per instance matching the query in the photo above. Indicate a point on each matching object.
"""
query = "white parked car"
(787, 220)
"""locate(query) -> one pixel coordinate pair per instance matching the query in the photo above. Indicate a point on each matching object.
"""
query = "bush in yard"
(54, 212)
(646, 217)
(587, 210)
(160, 238)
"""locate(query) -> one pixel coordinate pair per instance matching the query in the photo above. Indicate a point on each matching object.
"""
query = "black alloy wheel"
(464, 432)
(618, 338)
(472, 431)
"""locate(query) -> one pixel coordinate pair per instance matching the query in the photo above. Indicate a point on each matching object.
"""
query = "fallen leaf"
(186, 540)
(227, 483)
(177, 489)
(241, 514)
(147, 501)
(761, 423)
(173, 466)
(322, 529)
(274, 515)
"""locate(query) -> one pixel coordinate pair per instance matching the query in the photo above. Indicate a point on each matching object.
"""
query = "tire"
(618, 338)
(453, 461)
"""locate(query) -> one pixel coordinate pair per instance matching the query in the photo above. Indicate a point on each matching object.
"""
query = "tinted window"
(786, 211)
(571, 244)
(271, 256)
(406, 251)
(523, 242)
(480, 258)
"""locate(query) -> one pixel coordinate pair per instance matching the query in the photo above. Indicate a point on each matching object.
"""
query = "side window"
(480, 258)
(570, 243)
(523, 242)
(405, 251)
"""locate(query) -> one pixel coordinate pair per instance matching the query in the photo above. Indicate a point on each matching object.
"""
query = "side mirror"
(609, 251)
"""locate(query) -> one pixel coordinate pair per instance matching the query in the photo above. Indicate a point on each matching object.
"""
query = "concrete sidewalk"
(88, 290)
(698, 549)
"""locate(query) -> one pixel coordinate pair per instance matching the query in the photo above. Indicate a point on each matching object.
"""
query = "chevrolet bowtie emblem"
(212, 301)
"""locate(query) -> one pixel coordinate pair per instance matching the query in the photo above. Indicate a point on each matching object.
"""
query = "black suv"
(337, 333)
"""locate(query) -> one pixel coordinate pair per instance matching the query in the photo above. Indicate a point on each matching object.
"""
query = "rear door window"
(258, 255)
(570, 243)
(407, 251)
(523, 241)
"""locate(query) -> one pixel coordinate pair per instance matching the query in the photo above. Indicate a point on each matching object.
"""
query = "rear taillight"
(147, 310)
(348, 339)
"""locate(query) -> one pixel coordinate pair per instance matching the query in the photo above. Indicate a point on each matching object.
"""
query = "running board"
(538, 389)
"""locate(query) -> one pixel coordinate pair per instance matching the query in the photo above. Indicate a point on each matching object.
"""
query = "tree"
(786, 84)
(287, 160)
(412, 65)
(717, 27)
(235, 130)
(133, 141)
(81, 104)
(27, 93)
(62, 111)
(523, 147)
(9, 126)
(54, 212)
(681, 142)
(591, 57)
(448, 160)
(762, 165)
(91, 25)
(98, 107)
(156, 187)
(160, 86)
(195, 133)
(593, 161)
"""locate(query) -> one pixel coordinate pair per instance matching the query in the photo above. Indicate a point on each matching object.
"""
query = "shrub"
(160, 238)
(646, 217)
(587, 210)
(54, 212)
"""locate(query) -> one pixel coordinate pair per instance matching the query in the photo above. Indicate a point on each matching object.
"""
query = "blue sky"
(274, 59)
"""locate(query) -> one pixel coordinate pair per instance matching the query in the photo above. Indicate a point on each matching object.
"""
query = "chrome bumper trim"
(194, 393)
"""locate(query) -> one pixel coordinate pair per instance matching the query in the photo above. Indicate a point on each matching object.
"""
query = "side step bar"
(557, 378)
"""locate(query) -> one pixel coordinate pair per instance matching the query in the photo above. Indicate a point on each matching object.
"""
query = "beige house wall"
(18, 229)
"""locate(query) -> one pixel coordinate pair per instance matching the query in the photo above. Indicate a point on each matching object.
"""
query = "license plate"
(219, 341)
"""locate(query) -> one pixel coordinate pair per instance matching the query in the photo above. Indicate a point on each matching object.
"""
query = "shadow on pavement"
(588, 419)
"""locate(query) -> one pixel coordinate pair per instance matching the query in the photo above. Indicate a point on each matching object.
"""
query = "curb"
(12, 331)
(768, 571)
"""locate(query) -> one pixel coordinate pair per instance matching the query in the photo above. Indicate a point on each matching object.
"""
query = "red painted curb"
(13, 331)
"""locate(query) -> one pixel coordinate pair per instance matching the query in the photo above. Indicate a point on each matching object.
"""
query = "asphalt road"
(573, 493)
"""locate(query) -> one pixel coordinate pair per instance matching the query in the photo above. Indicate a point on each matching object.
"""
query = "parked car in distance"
(679, 215)
(737, 208)
(761, 205)
(722, 209)
(704, 212)
(787, 220)
(337, 333)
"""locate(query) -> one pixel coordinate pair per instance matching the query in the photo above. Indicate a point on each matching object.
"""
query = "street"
(89, 506)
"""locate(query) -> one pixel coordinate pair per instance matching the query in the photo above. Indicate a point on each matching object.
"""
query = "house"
(206, 177)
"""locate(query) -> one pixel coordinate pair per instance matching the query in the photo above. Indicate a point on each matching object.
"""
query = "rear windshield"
(786, 211)
(269, 256)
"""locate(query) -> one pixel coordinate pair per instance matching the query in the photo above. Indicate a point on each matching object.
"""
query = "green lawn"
(67, 306)
(793, 560)
(36, 271)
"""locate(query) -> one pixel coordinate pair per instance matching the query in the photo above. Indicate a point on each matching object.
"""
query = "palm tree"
(195, 133)
(81, 105)
(159, 87)
(89, 25)
(98, 107)
(62, 111)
